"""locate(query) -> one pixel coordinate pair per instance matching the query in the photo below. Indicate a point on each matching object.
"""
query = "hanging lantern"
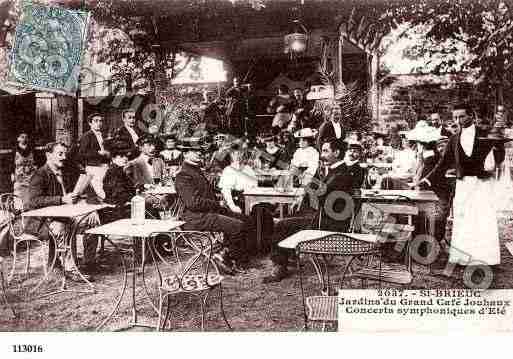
(296, 43)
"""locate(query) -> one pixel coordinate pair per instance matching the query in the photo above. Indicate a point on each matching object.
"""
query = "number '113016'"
(27, 348)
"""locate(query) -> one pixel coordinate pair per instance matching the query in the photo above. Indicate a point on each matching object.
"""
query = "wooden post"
(340, 62)
(374, 67)
(80, 116)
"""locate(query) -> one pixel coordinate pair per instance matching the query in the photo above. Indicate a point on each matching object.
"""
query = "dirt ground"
(249, 304)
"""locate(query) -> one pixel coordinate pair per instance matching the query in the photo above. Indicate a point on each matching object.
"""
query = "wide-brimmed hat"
(116, 148)
(305, 133)
(424, 133)
(193, 143)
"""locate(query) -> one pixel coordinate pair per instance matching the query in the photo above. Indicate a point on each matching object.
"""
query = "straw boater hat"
(305, 133)
(193, 143)
(443, 139)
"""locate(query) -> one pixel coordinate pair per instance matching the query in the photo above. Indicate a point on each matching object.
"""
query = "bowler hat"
(354, 144)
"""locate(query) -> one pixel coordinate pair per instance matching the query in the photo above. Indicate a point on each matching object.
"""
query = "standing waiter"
(475, 237)
(93, 153)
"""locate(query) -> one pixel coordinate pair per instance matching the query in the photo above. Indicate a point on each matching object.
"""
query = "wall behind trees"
(415, 96)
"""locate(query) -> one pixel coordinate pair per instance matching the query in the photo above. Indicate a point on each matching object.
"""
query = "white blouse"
(405, 163)
(306, 157)
(238, 179)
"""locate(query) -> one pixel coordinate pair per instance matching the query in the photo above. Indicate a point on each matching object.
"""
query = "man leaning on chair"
(337, 178)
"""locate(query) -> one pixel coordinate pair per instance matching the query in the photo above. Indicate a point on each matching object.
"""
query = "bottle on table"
(138, 209)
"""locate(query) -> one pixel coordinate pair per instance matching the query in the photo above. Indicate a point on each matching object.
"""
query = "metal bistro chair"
(175, 212)
(323, 308)
(11, 206)
(382, 219)
(193, 272)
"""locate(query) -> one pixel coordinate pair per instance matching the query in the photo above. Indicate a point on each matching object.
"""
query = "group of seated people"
(321, 165)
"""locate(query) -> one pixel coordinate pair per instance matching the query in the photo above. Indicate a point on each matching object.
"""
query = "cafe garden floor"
(249, 304)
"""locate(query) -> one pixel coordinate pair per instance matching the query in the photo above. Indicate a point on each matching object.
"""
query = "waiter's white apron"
(475, 234)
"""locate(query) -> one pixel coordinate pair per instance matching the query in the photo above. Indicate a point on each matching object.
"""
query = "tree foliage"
(131, 46)
(483, 27)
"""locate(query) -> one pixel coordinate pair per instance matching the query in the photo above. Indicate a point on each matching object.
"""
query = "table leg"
(143, 255)
(247, 205)
(134, 269)
(125, 283)
(134, 322)
(67, 250)
(259, 230)
(281, 210)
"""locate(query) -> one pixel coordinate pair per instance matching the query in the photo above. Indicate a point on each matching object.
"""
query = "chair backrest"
(193, 251)
(175, 211)
(337, 244)
(11, 208)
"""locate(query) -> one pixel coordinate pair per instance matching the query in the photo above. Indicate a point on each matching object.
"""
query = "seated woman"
(272, 155)
(118, 187)
(235, 178)
(403, 167)
(305, 161)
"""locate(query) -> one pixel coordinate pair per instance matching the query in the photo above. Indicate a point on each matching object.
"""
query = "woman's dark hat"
(377, 134)
(147, 139)
(169, 136)
(116, 148)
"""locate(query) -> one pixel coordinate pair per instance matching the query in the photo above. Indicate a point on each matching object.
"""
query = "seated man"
(315, 213)
(352, 161)
(52, 185)
(204, 212)
(148, 169)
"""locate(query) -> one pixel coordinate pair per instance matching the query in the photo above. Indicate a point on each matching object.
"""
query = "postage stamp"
(48, 46)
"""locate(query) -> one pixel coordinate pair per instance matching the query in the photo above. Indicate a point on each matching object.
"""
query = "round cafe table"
(75, 214)
(134, 234)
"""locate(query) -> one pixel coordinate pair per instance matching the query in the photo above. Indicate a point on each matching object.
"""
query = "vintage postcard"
(255, 166)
